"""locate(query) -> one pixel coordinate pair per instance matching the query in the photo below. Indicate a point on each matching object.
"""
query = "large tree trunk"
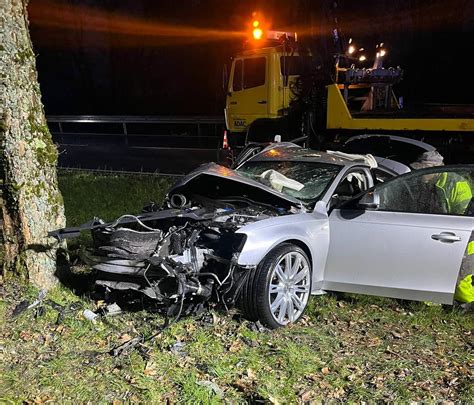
(32, 203)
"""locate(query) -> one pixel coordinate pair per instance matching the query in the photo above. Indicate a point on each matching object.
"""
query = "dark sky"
(166, 57)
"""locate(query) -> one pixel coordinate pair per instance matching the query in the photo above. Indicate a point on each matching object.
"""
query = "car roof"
(422, 145)
(292, 152)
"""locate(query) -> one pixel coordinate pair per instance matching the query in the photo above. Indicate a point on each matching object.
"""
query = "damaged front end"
(184, 253)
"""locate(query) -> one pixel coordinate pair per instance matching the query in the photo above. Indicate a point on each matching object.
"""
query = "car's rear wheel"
(277, 292)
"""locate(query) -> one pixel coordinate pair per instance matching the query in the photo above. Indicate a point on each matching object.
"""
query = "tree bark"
(32, 203)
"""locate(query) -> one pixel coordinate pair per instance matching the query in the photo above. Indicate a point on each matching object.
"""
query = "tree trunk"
(32, 203)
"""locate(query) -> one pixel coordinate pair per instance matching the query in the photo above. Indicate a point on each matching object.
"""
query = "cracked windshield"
(306, 181)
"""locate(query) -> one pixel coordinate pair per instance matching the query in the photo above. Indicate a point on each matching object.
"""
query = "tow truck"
(266, 82)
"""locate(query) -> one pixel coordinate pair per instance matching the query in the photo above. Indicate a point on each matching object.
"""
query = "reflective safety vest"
(457, 195)
(465, 288)
(455, 191)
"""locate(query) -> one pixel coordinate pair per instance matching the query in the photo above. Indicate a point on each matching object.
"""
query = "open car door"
(404, 238)
(398, 148)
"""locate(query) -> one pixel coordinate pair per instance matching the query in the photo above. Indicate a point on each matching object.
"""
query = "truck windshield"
(306, 181)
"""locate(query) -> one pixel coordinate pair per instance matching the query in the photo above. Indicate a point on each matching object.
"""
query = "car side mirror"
(320, 209)
(370, 201)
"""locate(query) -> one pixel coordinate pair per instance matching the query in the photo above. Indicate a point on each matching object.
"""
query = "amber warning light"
(260, 32)
(257, 32)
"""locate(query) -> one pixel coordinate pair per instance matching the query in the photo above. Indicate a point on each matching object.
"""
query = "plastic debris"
(211, 386)
(178, 349)
(91, 316)
(113, 309)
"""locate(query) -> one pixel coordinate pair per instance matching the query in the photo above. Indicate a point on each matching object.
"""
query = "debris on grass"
(346, 353)
(89, 315)
(212, 386)
(178, 349)
(112, 310)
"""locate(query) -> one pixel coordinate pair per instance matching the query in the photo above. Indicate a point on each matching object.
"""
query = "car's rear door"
(412, 245)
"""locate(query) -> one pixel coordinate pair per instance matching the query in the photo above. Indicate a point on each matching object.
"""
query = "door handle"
(446, 237)
(233, 102)
(262, 102)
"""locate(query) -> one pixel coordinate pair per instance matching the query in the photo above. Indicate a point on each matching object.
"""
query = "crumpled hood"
(213, 180)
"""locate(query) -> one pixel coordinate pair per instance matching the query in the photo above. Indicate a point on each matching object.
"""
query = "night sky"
(166, 57)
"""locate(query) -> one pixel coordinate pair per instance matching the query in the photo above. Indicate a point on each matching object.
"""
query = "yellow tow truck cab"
(262, 84)
(257, 87)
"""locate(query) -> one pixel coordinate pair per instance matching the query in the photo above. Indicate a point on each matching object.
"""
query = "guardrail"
(165, 143)
(203, 127)
(123, 120)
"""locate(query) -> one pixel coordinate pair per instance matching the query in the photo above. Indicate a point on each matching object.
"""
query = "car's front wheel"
(277, 291)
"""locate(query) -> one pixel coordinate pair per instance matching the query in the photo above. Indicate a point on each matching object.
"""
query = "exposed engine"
(183, 254)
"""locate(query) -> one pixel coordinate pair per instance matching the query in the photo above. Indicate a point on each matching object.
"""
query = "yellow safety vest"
(456, 192)
(465, 288)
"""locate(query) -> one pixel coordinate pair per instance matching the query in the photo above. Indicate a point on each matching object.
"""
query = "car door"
(401, 149)
(404, 238)
(247, 96)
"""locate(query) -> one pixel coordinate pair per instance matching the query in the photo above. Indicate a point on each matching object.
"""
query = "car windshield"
(306, 181)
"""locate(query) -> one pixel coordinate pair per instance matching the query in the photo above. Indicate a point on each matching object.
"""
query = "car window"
(306, 181)
(429, 191)
(237, 78)
(254, 72)
(352, 184)
(381, 176)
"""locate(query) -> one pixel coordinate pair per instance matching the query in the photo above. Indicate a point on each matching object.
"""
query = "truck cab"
(261, 85)
(273, 71)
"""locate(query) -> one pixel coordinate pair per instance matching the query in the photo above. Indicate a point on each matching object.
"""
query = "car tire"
(276, 293)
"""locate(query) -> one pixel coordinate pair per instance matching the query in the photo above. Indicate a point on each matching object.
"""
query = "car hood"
(215, 181)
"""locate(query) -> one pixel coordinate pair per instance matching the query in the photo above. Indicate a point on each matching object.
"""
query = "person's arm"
(461, 196)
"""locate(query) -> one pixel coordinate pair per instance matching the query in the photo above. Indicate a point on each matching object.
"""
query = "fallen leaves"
(151, 369)
(124, 338)
(26, 335)
(251, 374)
(352, 353)
(235, 346)
(373, 342)
(396, 335)
(307, 395)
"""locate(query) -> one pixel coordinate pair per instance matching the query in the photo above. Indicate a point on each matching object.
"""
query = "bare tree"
(32, 203)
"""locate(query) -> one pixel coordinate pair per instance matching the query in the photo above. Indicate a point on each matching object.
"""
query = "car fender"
(265, 235)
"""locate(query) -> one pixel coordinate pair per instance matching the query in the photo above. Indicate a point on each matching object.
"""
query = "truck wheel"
(277, 291)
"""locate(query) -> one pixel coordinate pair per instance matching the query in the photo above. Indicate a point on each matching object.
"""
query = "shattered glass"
(314, 177)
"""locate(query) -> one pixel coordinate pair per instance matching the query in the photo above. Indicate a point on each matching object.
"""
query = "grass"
(346, 348)
(107, 197)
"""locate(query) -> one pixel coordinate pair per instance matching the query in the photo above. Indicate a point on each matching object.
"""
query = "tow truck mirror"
(370, 201)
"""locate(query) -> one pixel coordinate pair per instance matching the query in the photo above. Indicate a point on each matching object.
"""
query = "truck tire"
(276, 293)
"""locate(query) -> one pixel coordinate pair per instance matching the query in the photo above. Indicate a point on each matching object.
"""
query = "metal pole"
(125, 133)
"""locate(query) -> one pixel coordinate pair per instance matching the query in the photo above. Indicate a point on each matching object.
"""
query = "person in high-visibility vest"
(454, 196)
(452, 193)
(465, 287)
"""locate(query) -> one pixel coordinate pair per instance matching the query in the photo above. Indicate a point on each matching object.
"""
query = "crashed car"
(287, 223)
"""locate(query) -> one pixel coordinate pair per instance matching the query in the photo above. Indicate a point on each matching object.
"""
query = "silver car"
(288, 223)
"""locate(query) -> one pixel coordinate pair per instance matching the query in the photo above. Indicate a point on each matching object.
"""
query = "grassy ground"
(346, 348)
(108, 197)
